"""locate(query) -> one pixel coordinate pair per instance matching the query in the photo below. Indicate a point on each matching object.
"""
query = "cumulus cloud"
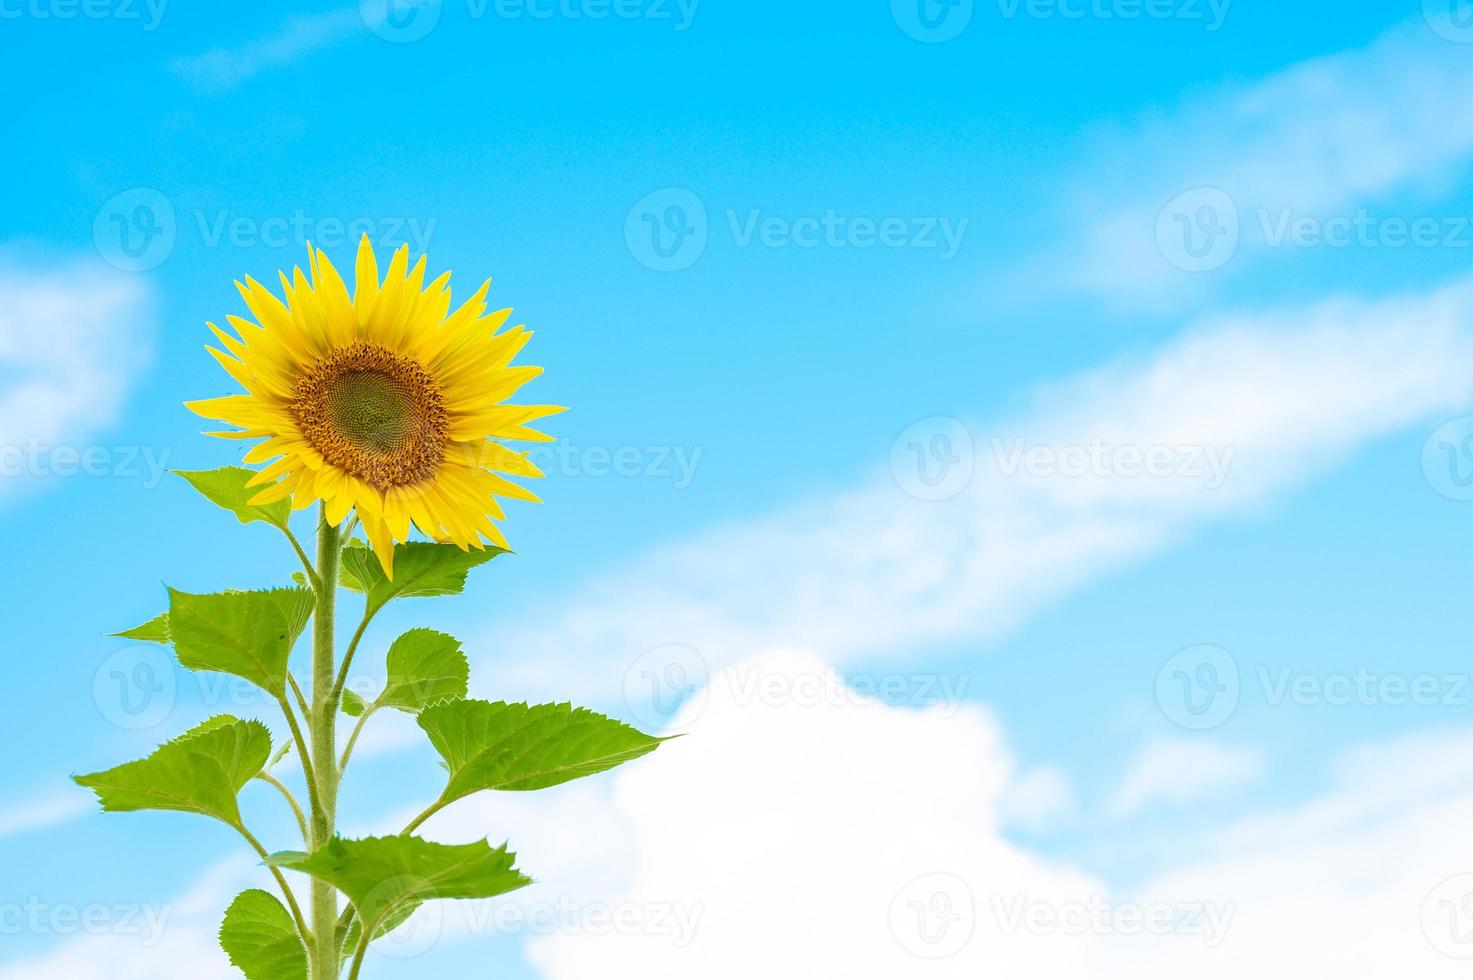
(858, 840)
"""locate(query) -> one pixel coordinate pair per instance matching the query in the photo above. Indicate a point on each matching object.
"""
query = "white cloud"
(857, 841)
(873, 571)
(137, 941)
(72, 341)
(1321, 138)
(303, 34)
(1180, 772)
(1038, 799)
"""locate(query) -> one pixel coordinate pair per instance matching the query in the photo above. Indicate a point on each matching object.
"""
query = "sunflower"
(384, 403)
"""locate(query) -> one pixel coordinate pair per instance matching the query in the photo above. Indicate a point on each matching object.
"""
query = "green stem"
(353, 738)
(291, 800)
(326, 953)
(286, 891)
(358, 957)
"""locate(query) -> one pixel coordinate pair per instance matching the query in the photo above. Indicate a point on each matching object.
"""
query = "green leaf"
(354, 932)
(201, 771)
(382, 876)
(516, 747)
(248, 634)
(259, 936)
(421, 569)
(424, 667)
(226, 487)
(156, 630)
(353, 703)
(281, 753)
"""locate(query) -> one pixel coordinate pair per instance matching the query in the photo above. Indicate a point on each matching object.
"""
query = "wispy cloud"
(1317, 140)
(1274, 398)
(73, 339)
(43, 811)
(1175, 773)
(224, 68)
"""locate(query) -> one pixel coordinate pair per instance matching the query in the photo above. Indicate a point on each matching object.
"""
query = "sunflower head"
(382, 402)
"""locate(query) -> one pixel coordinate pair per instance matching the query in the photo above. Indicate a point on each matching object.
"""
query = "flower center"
(376, 414)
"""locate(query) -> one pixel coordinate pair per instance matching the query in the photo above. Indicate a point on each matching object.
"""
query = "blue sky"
(1236, 232)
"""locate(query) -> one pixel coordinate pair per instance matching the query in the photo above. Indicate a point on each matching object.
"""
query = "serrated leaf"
(247, 634)
(261, 940)
(384, 875)
(156, 630)
(425, 666)
(517, 747)
(421, 569)
(226, 487)
(201, 771)
(353, 704)
(354, 932)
